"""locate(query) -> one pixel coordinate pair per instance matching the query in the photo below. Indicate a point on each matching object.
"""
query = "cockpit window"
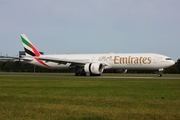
(168, 58)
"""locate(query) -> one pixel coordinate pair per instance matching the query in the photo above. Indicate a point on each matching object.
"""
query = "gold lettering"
(144, 60)
(136, 60)
(141, 60)
(149, 60)
(123, 60)
(130, 60)
(116, 58)
(126, 60)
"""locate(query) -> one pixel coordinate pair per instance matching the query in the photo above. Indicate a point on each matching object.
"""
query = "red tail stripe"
(35, 50)
(40, 61)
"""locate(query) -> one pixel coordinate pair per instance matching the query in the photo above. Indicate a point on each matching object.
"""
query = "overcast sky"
(91, 26)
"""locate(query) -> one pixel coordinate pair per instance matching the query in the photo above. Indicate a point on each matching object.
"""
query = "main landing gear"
(80, 73)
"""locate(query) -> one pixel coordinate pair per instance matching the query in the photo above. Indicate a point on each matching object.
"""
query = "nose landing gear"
(159, 75)
(160, 72)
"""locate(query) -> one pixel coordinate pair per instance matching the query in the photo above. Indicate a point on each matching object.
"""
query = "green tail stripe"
(25, 42)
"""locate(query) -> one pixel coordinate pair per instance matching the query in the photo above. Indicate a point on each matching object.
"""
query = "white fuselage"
(147, 61)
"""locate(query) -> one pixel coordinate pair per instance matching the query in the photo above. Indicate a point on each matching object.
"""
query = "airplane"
(95, 64)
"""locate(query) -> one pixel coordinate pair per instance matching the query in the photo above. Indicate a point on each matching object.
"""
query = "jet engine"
(94, 68)
(120, 71)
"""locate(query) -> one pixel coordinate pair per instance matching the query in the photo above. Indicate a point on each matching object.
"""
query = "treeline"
(23, 67)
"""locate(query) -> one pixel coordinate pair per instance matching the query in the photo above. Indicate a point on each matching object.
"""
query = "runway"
(56, 75)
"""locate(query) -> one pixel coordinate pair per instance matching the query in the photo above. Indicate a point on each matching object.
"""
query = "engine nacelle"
(120, 71)
(94, 68)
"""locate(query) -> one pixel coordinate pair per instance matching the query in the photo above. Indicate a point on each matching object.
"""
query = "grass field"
(38, 97)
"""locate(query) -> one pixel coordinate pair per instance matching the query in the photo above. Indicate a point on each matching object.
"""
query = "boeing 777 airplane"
(95, 64)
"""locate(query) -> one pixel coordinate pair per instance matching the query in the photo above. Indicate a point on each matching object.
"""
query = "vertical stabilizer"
(29, 48)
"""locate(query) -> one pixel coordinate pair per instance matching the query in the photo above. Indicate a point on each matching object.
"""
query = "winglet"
(29, 48)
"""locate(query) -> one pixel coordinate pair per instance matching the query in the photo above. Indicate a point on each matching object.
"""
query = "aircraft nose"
(171, 63)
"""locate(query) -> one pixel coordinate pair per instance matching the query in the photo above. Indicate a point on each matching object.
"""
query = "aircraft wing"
(26, 58)
(9, 58)
(65, 61)
(62, 61)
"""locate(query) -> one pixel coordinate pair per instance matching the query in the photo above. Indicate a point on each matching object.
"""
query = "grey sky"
(91, 26)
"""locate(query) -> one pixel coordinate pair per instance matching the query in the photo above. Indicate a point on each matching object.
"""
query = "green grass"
(24, 97)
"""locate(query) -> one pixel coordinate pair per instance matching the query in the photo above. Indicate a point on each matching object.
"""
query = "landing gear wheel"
(77, 74)
(80, 73)
(159, 75)
(160, 72)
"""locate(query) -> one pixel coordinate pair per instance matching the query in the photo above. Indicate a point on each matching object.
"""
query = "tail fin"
(29, 48)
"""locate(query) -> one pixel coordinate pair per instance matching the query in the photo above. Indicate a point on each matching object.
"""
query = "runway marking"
(122, 77)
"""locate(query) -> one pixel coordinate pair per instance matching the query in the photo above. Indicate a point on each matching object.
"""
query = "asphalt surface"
(70, 76)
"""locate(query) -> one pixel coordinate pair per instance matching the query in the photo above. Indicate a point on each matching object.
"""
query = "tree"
(1, 65)
(8, 66)
(178, 65)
